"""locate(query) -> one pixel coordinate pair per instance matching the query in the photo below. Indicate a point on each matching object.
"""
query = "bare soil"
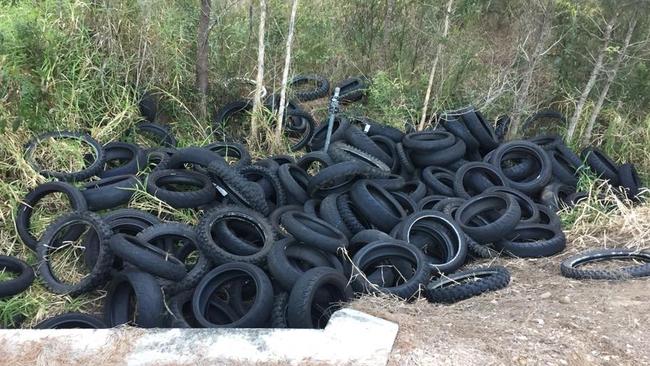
(542, 318)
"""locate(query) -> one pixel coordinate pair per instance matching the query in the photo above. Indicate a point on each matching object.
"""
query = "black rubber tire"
(352, 89)
(121, 221)
(95, 167)
(563, 170)
(313, 231)
(132, 159)
(305, 294)
(452, 288)
(149, 308)
(320, 133)
(629, 179)
(570, 267)
(449, 202)
(533, 183)
(529, 209)
(208, 245)
(185, 232)
(392, 183)
(388, 147)
(601, 164)
(162, 132)
(480, 129)
(26, 207)
(365, 237)
(467, 175)
(416, 189)
(405, 162)
(340, 177)
(282, 159)
(158, 159)
(149, 106)
(380, 250)
(180, 311)
(24, 278)
(237, 188)
(354, 221)
(312, 207)
(321, 90)
(274, 218)
(227, 111)
(569, 155)
(576, 197)
(72, 321)
(196, 156)
(289, 259)
(408, 205)
(373, 128)
(109, 192)
(443, 228)
(147, 257)
(341, 152)
(547, 142)
(361, 141)
(377, 205)
(440, 181)
(428, 140)
(522, 170)
(481, 250)
(305, 162)
(231, 150)
(295, 181)
(532, 241)
(548, 217)
(259, 312)
(306, 133)
(443, 157)
(457, 128)
(204, 194)
(268, 181)
(502, 126)
(502, 204)
(330, 213)
(279, 311)
(556, 196)
(99, 273)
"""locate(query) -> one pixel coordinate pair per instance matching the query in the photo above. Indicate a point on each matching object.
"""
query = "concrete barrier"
(350, 338)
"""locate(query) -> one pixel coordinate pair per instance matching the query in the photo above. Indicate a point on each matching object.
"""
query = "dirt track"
(541, 318)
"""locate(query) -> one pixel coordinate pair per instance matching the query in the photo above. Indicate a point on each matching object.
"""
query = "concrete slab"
(350, 338)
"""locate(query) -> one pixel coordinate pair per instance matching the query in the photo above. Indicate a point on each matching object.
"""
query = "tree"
(611, 76)
(256, 117)
(541, 34)
(445, 33)
(285, 72)
(595, 72)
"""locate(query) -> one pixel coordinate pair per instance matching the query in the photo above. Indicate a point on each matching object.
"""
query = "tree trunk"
(611, 76)
(285, 73)
(521, 97)
(598, 66)
(256, 117)
(445, 32)
(202, 51)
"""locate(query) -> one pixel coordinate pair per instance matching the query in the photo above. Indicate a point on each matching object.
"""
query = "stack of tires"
(282, 242)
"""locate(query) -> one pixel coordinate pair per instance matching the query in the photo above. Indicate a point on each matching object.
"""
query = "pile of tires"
(283, 242)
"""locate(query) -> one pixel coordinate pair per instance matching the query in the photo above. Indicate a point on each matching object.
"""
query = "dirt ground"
(542, 318)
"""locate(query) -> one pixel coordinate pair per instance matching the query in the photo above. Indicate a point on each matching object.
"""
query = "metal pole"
(334, 106)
